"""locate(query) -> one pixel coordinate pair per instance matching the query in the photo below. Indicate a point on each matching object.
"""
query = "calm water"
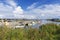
(44, 22)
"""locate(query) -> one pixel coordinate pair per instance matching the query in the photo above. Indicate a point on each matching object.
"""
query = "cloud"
(33, 11)
(25, 16)
(32, 6)
(1, 16)
(10, 9)
(5, 10)
(45, 11)
(11, 3)
(18, 10)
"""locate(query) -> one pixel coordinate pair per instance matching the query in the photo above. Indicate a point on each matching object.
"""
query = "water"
(44, 22)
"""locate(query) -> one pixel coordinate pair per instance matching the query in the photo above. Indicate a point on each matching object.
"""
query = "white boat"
(19, 26)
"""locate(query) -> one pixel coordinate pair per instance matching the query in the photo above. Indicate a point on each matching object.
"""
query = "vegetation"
(55, 20)
(45, 32)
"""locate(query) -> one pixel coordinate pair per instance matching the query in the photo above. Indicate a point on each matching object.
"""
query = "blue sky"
(25, 3)
(30, 9)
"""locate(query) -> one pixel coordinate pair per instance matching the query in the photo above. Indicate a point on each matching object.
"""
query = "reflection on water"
(44, 22)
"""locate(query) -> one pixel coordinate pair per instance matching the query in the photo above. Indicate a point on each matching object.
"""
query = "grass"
(45, 32)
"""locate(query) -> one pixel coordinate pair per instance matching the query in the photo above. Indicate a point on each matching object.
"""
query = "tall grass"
(45, 32)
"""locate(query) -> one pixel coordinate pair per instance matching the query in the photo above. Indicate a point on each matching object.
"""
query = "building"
(18, 23)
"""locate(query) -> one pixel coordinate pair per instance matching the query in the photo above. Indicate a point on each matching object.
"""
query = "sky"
(30, 9)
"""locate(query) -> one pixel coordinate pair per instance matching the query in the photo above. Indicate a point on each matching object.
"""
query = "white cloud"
(1, 16)
(11, 9)
(5, 7)
(47, 10)
(32, 6)
(42, 14)
(11, 3)
(5, 10)
(51, 9)
(18, 10)
(25, 16)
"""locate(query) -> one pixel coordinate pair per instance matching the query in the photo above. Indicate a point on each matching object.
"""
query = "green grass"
(45, 32)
